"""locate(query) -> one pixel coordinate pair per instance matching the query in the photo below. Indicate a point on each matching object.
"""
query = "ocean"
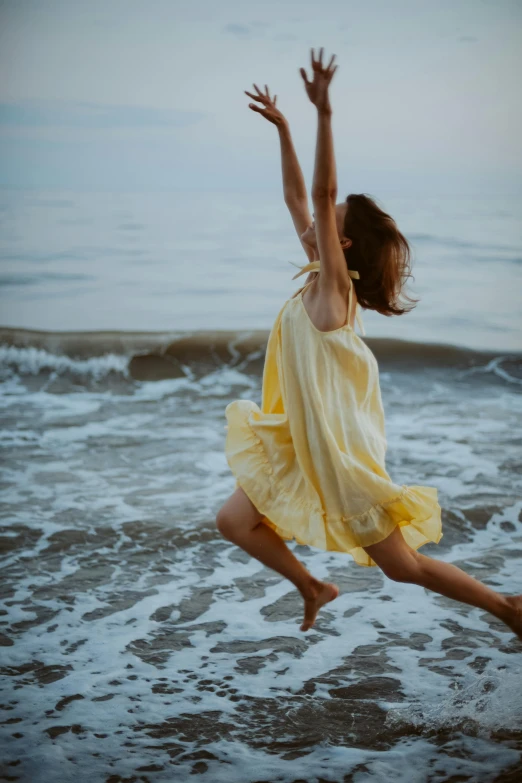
(137, 644)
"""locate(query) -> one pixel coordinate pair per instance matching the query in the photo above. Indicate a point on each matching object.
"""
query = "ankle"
(311, 587)
(508, 608)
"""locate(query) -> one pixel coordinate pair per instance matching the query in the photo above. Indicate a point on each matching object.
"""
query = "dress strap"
(315, 266)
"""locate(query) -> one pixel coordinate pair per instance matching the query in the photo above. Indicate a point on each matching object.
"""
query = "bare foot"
(515, 621)
(319, 594)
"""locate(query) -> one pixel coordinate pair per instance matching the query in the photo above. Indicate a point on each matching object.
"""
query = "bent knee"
(228, 523)
(224, 522)
(395, 558)
(404, 569)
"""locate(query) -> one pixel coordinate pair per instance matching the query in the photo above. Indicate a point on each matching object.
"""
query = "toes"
(309, 617)
(312, 607)
(308, 620)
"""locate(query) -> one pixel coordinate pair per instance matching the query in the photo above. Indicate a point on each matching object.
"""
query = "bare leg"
(403, 564)
(239, 521)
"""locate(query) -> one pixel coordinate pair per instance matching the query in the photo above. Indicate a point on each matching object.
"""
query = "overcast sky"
(150, 93)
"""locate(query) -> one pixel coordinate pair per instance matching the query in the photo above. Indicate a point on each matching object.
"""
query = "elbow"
(324, 194)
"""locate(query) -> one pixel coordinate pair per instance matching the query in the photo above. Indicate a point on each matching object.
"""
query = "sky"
(149, 94)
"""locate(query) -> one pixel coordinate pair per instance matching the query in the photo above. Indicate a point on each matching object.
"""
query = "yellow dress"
(312, 458)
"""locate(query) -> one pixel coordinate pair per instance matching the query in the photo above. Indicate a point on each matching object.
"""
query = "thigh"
(238, 511)
(394, 556)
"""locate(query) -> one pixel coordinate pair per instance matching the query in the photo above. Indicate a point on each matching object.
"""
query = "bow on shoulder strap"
(315, 266)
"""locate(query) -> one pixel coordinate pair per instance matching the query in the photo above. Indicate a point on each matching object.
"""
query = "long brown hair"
(380, 253)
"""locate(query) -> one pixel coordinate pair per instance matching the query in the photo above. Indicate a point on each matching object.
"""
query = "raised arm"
(294, 188)
(334, 273)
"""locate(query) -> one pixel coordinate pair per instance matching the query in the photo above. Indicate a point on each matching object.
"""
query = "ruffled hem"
(415, 509)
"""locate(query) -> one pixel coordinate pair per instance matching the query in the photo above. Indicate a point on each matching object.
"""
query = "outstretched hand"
(317, 90)
(270, 111)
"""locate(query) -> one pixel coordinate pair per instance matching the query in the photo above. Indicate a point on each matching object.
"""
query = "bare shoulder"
(327, 305)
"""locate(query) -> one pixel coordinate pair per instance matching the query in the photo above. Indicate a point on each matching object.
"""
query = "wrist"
(324, 111)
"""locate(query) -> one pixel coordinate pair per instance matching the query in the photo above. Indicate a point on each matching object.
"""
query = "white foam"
(31, 361)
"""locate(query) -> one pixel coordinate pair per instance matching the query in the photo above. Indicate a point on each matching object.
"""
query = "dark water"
(140, 645)
(136, 643)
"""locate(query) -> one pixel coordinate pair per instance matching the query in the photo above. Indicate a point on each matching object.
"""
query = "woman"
(310, 464)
